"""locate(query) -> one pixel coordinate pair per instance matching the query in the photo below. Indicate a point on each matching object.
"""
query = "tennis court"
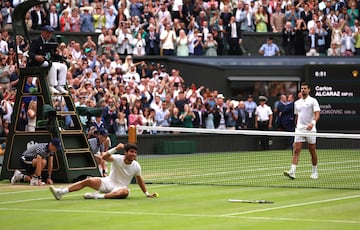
(194, 192)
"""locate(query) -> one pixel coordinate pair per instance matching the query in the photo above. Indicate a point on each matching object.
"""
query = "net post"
(132, 137)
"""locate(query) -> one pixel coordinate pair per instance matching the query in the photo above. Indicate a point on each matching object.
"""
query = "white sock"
(314, 168)
(293, 168)
(64, 190)
(100, 196)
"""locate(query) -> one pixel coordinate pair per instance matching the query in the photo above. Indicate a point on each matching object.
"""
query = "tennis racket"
(251, 201)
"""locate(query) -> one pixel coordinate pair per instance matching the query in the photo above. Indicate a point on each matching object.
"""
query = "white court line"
(67, 195)
(22, 191)
(293, 205)
(179, 215)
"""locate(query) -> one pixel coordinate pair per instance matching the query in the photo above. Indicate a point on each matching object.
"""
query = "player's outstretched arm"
(141, 184)
(107, 156)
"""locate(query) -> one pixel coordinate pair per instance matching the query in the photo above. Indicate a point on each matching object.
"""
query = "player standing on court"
(307, 113)
(115, 186)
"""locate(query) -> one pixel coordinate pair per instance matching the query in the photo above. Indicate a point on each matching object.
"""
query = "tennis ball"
(156, 195)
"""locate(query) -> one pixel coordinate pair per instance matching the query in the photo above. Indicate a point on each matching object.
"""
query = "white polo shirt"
(304, 109)
(263, 112)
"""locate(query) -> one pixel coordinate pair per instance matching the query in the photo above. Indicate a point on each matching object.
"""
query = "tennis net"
(236, 157)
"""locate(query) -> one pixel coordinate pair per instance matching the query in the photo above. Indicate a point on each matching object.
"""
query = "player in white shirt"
(307, 111)
(115, 186)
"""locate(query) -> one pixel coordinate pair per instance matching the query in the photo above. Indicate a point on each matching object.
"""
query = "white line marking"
(180, 215)
(293, 205)
(67, 195)
(22, 191)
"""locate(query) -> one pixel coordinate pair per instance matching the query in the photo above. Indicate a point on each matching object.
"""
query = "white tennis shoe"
(290, 174)
(34, 181)
(55, 192)
(16, 177)
(314, 175)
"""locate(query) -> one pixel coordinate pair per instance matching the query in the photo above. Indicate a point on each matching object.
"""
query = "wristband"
(49, 176)
(112, 151)
(147, 193)
(313, 122)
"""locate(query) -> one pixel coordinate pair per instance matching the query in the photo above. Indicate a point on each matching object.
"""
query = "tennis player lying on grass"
(115, 186)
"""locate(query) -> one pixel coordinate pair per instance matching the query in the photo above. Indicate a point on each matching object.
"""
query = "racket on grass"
(251, 201)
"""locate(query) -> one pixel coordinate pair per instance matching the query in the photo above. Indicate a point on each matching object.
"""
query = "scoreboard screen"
(337, 88)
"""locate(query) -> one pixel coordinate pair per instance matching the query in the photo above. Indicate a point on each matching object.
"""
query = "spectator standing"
(75, 22)
(139, 45)
(357, 41)
(277, 20)
(152, 41)
(250, 107)
(52, 17)
(38, 17)
(336, 32)
(87, 21)
(231, 115)
(99, 20)
(198, 45)
(182, 44)
(247, 19)
(110, 19)
(234, 37)
(6, 12)
(210, 46)
(65, 21)
(347, 42)
(168, 38)
(353, 13)
(187, 116)
(124, 42)
(261, 19)
(312, 46)
(322, 34)
(288, 33)
(300, 32)
(306, 14)
(220, 112)
(162, 14)
(175, 120)
(292, 16)
(263, 120)
(242, 116)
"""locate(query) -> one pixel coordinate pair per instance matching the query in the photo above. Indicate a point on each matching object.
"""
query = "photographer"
(43, 56)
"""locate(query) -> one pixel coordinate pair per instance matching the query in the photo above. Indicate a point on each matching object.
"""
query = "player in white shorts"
(307, 111)
(115, 186)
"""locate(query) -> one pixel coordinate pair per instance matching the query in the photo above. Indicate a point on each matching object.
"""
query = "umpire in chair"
(42, 53)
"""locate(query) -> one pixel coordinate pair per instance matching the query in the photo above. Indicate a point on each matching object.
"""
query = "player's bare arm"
(107, 156)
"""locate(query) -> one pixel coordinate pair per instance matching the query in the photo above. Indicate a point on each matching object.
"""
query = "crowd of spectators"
(147, 93)
(198, 27)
